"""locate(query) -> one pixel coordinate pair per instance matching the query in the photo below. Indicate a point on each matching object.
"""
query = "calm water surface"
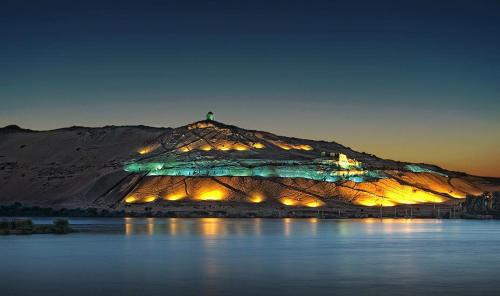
(140, 256)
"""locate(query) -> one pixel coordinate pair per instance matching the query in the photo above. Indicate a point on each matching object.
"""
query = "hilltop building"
(210, 116)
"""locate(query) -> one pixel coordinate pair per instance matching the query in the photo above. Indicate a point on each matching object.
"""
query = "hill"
(214, 166)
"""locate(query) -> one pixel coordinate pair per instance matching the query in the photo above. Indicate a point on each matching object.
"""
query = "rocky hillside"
(68, 166)
(88, 167)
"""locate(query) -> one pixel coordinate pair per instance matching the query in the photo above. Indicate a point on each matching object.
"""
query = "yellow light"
(150, 198)
(314, 204)
(305, 147)
(130, 199)
(148, 149)
(206, 147)
(375, 202)
(258, 145)
(288, 201)
(175, 196)
(145, 150)
(184, 149)
(256, 198)
(240, 147)
(215, 194)
(389, 192)
(408, 195)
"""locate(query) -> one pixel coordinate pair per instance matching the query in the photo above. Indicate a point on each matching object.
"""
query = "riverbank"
(26, 226)
(242, 210)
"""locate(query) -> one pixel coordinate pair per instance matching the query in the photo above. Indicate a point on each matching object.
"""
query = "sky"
(408, 80)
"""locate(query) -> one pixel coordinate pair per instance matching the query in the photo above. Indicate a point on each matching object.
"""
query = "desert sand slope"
(65, 167)
(82, 167)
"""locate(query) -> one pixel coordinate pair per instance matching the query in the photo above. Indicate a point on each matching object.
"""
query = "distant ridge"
(12, 128)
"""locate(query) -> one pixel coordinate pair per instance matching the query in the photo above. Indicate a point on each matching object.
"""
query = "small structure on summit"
(210, 116)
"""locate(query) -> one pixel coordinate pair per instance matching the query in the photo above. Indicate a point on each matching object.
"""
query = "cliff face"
(131, 167)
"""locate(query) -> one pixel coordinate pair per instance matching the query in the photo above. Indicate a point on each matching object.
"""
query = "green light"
(319, 171)
(418, 169)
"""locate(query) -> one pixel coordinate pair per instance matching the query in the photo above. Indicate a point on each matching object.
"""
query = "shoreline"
(25, 226)
(244, 210)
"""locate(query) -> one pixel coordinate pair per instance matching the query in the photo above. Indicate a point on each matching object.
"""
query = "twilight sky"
(408, 80)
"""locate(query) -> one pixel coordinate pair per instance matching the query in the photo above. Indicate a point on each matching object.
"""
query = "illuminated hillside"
(208, 166)
(209, 160)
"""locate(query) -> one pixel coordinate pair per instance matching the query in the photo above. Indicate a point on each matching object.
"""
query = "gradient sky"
(408, 80)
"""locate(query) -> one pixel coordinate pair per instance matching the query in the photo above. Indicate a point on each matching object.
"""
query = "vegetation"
(26, 226)
(19, 210)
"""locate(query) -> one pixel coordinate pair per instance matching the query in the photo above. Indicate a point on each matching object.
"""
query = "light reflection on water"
(209, 227)
(219, 227)
(213, 256)
(205, 227)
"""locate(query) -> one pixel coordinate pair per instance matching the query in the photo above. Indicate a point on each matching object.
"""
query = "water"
(142, 256)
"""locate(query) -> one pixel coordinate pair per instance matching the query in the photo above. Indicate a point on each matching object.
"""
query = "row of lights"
(218, 195)
(225, 147)
(236, 146)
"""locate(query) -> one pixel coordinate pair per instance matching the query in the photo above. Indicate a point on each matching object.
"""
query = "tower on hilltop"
(210, 116)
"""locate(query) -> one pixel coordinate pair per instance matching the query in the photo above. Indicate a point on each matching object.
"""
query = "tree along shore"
(26, 226)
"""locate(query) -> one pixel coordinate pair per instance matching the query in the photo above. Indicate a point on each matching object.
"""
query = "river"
(212, 256)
